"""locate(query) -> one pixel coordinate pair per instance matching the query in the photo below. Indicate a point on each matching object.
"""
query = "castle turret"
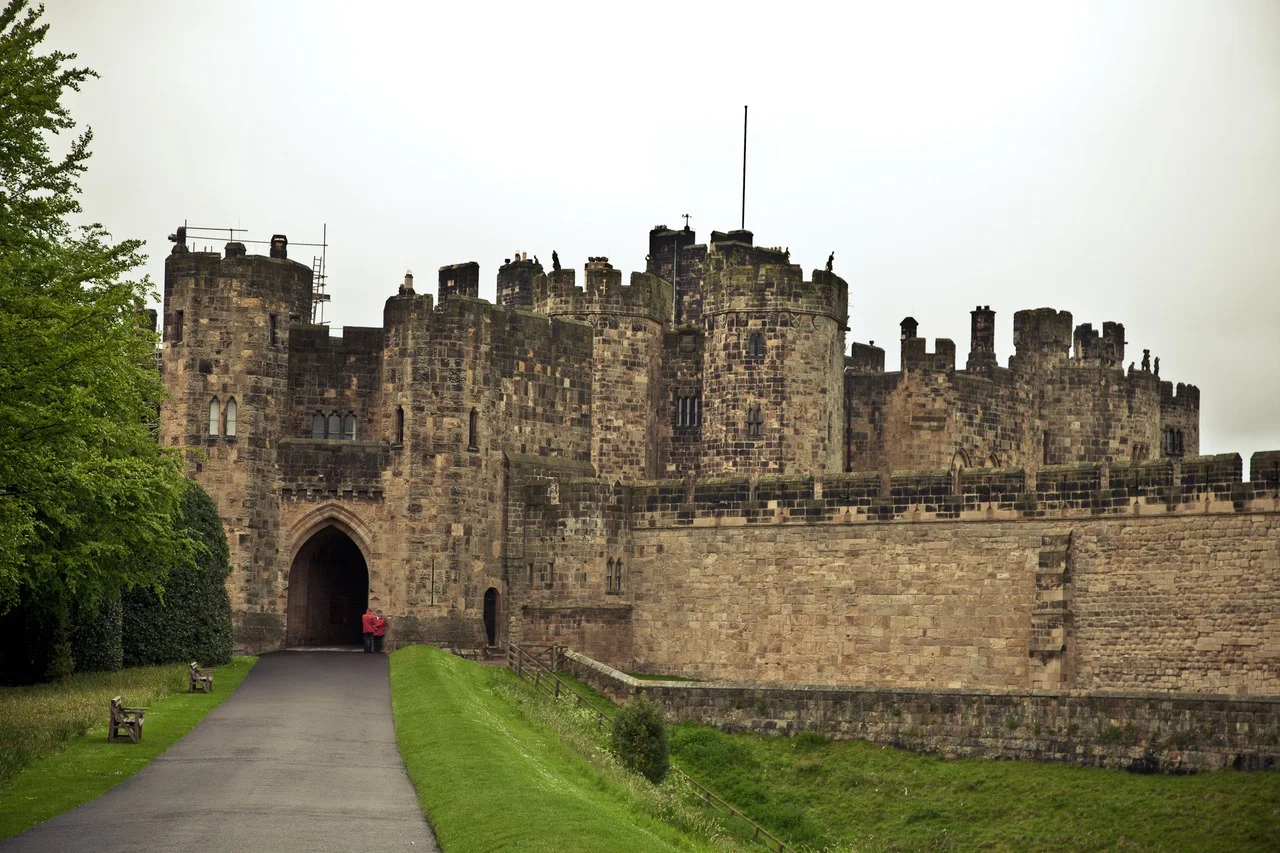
(774, 364)
(227, 324)
(629, 323)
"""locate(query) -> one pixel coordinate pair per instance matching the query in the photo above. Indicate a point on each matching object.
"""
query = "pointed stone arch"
(329, 581)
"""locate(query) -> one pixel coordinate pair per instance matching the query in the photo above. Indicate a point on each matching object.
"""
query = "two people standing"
(374, 627)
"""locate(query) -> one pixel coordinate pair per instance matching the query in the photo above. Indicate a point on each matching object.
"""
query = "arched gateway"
(328, 590)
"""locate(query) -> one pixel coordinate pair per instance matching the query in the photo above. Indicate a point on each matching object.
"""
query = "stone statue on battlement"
(555, 261)
(831, 261)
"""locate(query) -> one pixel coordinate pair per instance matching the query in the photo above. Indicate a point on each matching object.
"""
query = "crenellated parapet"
(1092, 349)
(865, 358)
(771, 287)
(1041, 337)
(646, 297)
(915, 355)
(1180, 396)
(1162, 487)
(204, 278)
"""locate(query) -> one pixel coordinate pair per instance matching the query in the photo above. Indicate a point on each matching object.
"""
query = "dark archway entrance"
(491, 615)
(328, 591)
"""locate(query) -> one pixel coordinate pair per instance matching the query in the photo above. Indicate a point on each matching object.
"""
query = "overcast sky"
(1118, 160)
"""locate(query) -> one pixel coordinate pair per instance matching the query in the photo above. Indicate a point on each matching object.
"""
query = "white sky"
(1119, 160)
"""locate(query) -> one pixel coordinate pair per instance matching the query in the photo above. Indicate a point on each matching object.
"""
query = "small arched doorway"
(491, 616)
(328, 591)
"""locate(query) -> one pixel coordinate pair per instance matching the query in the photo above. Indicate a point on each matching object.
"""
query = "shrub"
(640, 740)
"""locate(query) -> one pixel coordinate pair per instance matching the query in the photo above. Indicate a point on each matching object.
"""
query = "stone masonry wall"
(1141, 732)
(902, 604)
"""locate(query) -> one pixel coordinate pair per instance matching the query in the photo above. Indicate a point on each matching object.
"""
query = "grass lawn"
(854, 795)
(499, 768)
(54, 753)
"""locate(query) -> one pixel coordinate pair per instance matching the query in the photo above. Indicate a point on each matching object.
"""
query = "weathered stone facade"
(686, 474)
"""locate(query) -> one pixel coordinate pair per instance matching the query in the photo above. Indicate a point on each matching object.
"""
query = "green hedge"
(96, 639)
(191, 618)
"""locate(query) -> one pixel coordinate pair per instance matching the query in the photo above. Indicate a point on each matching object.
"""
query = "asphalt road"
(303, 757)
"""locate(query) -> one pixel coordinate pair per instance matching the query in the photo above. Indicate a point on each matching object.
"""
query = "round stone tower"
(773, 370)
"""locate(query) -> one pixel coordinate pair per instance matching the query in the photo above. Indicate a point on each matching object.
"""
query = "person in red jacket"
(379, 631)
(366, 626)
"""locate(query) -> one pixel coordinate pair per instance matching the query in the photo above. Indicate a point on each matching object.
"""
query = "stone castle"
(688, 474)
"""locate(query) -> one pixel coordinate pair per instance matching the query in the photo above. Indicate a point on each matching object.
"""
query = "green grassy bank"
(54, 753)
(858, 796)
(499, 768)
(853, 794)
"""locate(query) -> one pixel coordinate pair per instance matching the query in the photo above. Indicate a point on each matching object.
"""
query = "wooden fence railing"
(538, 667)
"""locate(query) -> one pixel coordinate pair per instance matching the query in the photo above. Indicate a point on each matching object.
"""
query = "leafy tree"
(640, 740)
(87, 497)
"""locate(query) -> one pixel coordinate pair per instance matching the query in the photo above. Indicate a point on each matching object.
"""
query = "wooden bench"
(201, 679)
(126, 723)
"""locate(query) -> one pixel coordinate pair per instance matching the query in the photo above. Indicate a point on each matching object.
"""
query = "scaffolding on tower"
(318, 282)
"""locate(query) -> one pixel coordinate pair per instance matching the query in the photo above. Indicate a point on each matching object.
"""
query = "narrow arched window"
(617, 577)
(335, 426)
(473, 431)
(215, 416)
(608, 576)
(232, 414)
(755, 345)
(399, 424)
(755, 422)
(1178, 441)
(349, 427)
(317, 425)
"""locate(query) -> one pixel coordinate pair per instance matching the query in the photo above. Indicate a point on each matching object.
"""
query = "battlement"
(916, 357)
(646, 296)
(200, 284)
(1181, 396)
(865, 358)
(763, 281)
(355, 340)
(1197, 485)
(1041, 336)
(1099, 350)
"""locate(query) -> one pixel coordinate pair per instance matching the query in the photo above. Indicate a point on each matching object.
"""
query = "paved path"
(303, 757)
